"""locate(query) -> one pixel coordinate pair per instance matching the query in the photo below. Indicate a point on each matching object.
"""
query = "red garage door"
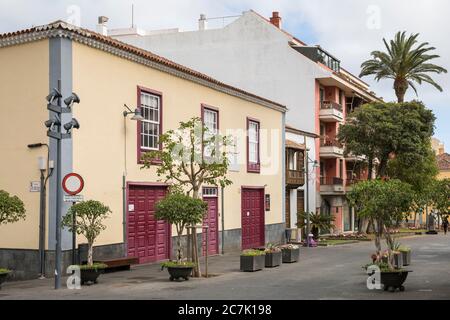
(148, 238)
(211, 220)
(252, 213)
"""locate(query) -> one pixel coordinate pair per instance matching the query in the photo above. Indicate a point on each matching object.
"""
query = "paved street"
(322, 273)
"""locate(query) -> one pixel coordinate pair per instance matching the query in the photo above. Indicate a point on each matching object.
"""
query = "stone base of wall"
(25, 263)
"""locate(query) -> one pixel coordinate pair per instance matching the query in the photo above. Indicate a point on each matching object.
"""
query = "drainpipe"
(223, 217)
(124, 213)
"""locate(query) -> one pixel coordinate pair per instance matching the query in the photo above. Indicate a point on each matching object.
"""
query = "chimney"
(276, 19)
(101, 26)
(202, 22)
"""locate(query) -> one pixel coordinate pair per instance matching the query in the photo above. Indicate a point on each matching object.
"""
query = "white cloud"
(341, 27)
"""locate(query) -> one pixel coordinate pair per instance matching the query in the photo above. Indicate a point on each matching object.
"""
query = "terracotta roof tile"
(443, 161)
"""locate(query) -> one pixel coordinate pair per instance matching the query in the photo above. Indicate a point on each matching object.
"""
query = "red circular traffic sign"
(72, 183)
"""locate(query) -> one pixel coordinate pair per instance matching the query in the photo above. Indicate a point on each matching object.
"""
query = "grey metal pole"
(58, 215)
(307, 197)
(42, 226)
(74, 237)
(124, 214)
(223, 217)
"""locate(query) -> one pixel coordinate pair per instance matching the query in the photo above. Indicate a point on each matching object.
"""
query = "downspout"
(222, 205)
(124, 189)
(283, 169)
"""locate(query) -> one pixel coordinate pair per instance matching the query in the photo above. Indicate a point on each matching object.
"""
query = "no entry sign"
(72, 183)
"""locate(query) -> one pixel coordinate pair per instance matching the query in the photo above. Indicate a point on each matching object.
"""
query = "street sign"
(72, 183)
(75, 198)
(35, 186)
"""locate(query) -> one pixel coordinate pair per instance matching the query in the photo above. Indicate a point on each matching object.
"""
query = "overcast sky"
(349, 29)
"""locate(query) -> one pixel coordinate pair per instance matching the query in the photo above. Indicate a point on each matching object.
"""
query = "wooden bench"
(118, 264)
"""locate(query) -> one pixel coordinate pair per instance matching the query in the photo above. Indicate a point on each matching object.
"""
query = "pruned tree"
(189, 157)
(383, 203)
(12, 208)
(89, 222)
(180, 210)
(441, 196)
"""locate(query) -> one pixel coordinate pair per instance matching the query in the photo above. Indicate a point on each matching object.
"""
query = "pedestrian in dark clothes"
(445, 224)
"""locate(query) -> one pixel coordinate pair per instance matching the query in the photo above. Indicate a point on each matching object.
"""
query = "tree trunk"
(90, 260)
(370, 168)
(179, 249)
(400, 87)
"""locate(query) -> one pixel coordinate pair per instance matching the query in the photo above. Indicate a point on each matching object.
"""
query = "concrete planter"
(252, 263)
(398, 260)
(273, 259)
(179, 272)
(394, 280)
(90, 276)
(406, 257)
(3, 277)
(290, 255)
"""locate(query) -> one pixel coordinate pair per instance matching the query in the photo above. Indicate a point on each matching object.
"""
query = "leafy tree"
(441, 196)
(190, 157)
(403, 63)
(383, 203)
(318, 221)
(12, 208)
(89, 221)
(385, 131)
(181, 210)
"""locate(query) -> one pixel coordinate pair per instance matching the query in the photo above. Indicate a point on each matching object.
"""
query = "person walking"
(445, 224)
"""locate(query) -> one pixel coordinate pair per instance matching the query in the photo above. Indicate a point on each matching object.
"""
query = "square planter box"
(398, 260)
(252, 263)
(273, 259)
(406, 257)
(290, 255)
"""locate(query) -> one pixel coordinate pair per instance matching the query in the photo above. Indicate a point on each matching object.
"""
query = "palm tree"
(403, 63)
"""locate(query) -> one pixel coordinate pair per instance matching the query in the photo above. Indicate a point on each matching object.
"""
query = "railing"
(329, 181)
(350, 182)
(295, 177)
(330, 143)
(330, 105)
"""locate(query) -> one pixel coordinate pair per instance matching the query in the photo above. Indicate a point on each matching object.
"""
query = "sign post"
(73, 184)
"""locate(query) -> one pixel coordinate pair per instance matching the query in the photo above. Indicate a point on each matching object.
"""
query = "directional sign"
(72, 183)
(76, 198)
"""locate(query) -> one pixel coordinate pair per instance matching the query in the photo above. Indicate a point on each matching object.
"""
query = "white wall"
(250, 54)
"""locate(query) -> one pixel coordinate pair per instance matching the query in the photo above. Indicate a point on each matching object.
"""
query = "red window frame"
(253, 167)
(141, 151)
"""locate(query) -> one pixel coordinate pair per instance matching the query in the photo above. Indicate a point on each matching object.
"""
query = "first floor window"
(150, 125)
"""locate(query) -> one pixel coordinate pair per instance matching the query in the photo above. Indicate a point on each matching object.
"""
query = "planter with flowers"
(290, 253)
(252, 260)
(273, 256)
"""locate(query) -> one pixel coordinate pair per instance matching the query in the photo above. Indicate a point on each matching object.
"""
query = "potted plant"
(252, 260)
(273, 256)
(180, 210)
(406, 253)
(12, 210)
(383, 202)
(290, 253)
(318, 222)
(89, 216)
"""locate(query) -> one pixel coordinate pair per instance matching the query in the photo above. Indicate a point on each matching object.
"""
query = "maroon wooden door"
(148, 238)
(252, 218)
(211, 220)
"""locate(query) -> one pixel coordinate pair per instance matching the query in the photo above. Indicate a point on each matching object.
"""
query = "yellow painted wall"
(24, 78)
(443, 174)
(104, 83)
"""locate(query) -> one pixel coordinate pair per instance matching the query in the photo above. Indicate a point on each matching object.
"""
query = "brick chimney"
(276, 19)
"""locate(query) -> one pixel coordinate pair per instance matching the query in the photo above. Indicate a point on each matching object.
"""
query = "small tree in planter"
(89, 223)
(180, 210)
(317, 221)
(12, 210)
(191, 156)
(383, 203)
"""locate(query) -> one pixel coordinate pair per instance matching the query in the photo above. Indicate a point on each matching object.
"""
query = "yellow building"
(443, 163)
(105, 151)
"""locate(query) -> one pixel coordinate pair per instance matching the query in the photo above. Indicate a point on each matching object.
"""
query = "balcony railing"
(331, 181)
(330, 105)
(330, 143)
(295, 178)
(350, 182)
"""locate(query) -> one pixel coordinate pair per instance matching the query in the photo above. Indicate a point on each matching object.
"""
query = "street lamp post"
(314, 162)
(54, 131)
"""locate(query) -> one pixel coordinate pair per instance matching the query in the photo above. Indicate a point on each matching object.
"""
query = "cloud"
(348, 29)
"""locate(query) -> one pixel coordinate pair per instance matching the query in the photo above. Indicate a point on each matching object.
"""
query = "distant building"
(437, 146)
(443, 163)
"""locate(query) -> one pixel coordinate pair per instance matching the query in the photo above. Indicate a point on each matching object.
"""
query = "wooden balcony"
(294, 179)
